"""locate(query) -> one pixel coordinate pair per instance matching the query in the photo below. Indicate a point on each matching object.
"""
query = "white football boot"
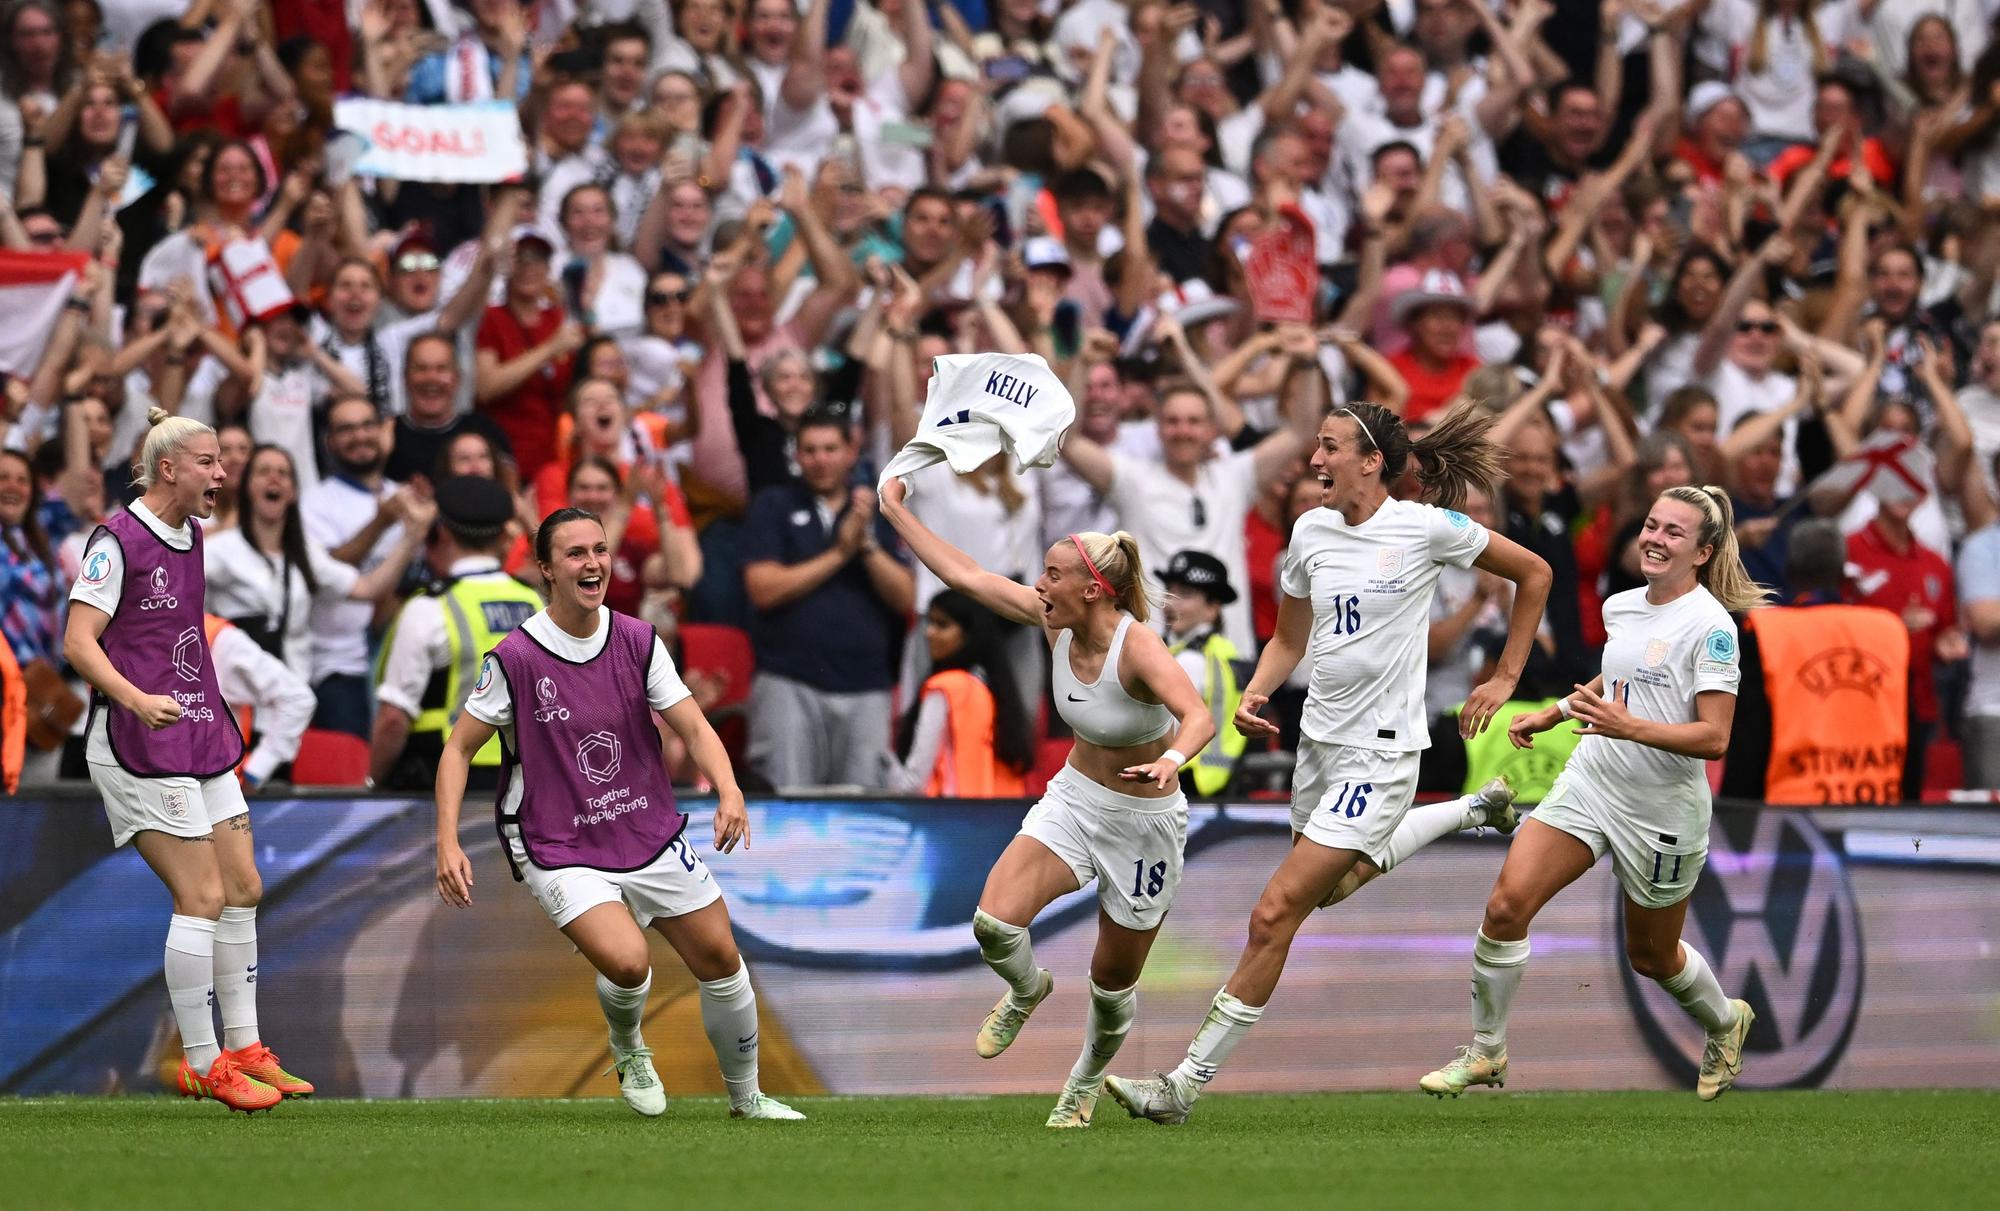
(1467, 1068)
(1161, 1099)
(638, 1084)
(766, 1107)
(997, 1033)
(1074, 1107)
(1722, 1055)
(1496, 798)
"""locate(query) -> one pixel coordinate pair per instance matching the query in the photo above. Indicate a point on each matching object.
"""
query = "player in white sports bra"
(1115, 813)
(1358, 580)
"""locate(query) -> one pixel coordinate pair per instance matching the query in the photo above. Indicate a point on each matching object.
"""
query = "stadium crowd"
(1743, 242)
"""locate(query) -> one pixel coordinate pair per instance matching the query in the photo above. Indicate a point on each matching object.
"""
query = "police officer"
(433, 653)
(1197, 588)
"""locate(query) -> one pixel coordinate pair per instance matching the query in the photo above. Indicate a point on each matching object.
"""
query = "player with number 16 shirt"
(1358, 580)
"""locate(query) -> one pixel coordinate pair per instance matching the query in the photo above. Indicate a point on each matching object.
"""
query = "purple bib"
(594, 789)
(156, 640)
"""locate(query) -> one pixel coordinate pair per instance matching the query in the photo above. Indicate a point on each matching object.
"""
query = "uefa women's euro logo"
(550, 709)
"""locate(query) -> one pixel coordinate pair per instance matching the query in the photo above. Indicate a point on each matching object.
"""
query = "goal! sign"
(477, 143)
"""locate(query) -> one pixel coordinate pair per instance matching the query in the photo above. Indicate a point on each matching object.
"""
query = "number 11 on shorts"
(1148, 882)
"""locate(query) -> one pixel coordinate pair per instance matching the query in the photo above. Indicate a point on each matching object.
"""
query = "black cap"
(474, 507)
(1200, 570)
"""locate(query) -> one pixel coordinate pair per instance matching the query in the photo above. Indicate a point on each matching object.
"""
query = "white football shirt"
(1168, 515)
(1371, 587)
(1656, 659)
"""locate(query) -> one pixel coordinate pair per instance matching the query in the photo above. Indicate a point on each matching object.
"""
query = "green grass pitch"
(1817, 1149)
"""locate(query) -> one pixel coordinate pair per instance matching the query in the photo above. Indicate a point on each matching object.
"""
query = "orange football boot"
(227, 1084)
(259, 1063)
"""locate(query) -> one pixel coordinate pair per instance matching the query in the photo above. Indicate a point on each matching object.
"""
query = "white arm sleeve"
(102, 581)
(664, 686)
(419, 649)
(912, 774)
(336, 580)
(490, 702)
(1455, 539)
(282, 702)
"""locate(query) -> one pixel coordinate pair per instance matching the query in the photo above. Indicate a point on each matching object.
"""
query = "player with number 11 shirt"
(1636, 787)
(1358, 580)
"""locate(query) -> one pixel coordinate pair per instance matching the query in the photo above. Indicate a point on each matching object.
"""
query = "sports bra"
(1101, 711)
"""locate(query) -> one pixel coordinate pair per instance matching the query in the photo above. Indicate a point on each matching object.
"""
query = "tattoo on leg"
(239, 824)
(198, 840)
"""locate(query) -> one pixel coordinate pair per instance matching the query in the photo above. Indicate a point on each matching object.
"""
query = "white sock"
(1111, 1016)
(1700, 993)
(624, 1009)
(1009, 953)
(1422, 825)
(236, 976)
(1228, 1020)
(190, 970)
(729, 1017)
(1496, 973)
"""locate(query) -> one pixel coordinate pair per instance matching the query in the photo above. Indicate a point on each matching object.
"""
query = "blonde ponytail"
(164, 439)
(1723, 575)
(1116, 557)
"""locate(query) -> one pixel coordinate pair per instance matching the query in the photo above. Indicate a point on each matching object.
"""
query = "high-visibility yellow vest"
(479, 611)
(1529, 771)
(1212, 766)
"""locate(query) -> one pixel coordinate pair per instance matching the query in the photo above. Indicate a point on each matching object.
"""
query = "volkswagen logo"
(1776, 918)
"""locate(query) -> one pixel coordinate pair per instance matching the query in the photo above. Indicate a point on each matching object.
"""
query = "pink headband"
(1094, 573)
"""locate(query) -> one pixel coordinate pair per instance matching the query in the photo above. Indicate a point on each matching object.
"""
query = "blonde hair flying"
(1723, 575)
(165, 438)
(1115, 557)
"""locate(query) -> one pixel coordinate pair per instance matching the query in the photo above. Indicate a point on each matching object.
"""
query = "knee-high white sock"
(1009, 953)
(729, 1018)
(1700, 993)
(1422, 825)
(1111, 1016)
(1228, 1020)
(624, 1009)
(190, 970)
(236, 976)
(1496, 973)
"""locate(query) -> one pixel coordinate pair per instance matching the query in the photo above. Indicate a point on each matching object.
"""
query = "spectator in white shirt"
(1193, 499)
(355, 513)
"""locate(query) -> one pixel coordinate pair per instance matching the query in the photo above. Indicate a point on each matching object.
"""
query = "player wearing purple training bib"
(162, 748)
(587, 816)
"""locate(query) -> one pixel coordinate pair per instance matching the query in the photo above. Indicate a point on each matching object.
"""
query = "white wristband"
(1174, 755)
(1562, 708)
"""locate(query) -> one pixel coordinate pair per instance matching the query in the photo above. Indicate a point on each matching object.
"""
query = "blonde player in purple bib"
(162, 748)
(587, 816)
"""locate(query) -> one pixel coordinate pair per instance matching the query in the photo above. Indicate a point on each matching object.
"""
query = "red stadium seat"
(724, 653)
(330, 759)
(1049, 760)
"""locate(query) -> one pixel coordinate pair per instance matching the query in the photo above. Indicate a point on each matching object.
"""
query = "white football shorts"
(180, 807)
(674, 884)
(1656, 860)
(1132, 846)
(1345, 797)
